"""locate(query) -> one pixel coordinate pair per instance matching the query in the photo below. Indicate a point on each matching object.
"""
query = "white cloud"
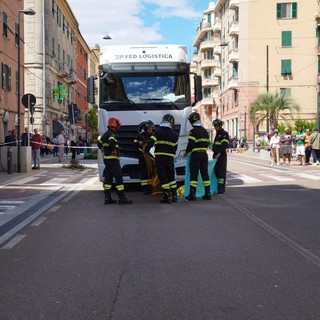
(127, 21)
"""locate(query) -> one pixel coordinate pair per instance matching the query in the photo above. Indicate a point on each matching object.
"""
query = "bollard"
(9, 163)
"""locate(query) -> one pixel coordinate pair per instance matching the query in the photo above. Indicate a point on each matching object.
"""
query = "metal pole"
(245, 127)
(18, 94)
(267, 63)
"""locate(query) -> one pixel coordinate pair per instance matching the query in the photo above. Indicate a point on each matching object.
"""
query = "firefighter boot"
(174, 196)
(207, 195)
(220, 188)
(107, 197)
(166, 197)
(192, 194)
(123, 199)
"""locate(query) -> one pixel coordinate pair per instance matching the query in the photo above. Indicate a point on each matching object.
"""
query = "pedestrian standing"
(73, 145)
(36, 142)
(109, 145)
(11, 139)
(25, 137)
(60, 143)
(300, 149)
(141, 142)
(198, 143)
(275, 147)
(286, 146)
(219, 148)
(314, 142)
(165, 141)
(307, 148)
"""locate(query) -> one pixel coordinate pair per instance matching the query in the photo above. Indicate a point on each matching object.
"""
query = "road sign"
(29, 101)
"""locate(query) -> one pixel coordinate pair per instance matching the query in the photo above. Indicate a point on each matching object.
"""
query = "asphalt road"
(253, 253)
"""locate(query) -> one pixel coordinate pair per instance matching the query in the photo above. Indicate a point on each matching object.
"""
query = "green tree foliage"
(273, 106)
(93, 123)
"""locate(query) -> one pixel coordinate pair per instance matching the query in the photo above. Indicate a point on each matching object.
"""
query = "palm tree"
(272, 107)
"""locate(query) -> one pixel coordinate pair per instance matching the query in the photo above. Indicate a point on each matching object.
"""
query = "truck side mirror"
(197, 89)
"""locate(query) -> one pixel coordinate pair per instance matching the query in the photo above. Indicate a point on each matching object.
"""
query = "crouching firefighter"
(109, 145)
(198, 143)
(219, 148)
(165, 141)
(145, 132)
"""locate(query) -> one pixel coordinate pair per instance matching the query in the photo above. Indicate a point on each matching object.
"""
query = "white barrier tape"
(46, 145)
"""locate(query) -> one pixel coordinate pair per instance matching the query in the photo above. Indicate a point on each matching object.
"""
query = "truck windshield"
(148, 91)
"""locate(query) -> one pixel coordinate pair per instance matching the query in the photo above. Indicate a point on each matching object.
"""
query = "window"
(52, 7)
(6, 77)
(287, 10)
(16, 36)
(53, 47)
(286, 67)
(207, 73)
(286, 39)
(206, 92)
(209, 18)
(4, 24)
(285, 92)
(58, 52)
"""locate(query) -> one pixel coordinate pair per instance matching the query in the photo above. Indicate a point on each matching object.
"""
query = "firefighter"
(109, 145)
(145, 132)
(219, 148)
(165, 141)
(198, 143)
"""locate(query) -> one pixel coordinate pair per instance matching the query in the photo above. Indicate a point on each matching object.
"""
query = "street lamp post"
(29, 12)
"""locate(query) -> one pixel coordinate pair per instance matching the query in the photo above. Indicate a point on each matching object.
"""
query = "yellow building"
(245, 48)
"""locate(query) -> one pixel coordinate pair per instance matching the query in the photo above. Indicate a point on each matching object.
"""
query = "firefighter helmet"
(217, 122)
(149, 124)
(168, 118)
(194, 117)
(114, 123)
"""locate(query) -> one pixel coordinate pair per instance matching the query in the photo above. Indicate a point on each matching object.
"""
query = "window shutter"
(318, 65)
(9, 78)
(279, 10)
(286, 38)
(286, 67)
(294, 9)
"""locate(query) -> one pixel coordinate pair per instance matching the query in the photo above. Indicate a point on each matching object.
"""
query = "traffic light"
(90, 90)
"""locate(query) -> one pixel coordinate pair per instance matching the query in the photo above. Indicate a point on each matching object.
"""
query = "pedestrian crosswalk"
(236, 178)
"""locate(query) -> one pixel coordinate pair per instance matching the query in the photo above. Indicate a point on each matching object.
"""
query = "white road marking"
(11, 202)
(38, 222)
(54, 208)
(23, 181)
(307, 176)
(244, 178)
(278, 178)
(54, 181)
(13, 242)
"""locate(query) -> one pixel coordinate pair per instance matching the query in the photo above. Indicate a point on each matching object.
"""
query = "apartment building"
(56, 68)
(255, 47)
(9, 19)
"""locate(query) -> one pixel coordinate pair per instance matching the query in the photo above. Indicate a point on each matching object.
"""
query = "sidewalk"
(6, 178)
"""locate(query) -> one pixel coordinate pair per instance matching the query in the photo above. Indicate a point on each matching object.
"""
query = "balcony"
(209, 63)
(63, 70)
(216, 26)
(233, 83)
(201, 31)
(211, 81)
(217, 72)
(233, 55)
(217, 49)
(233, 4)
(233, 28)
(207, 44)
(210, 99)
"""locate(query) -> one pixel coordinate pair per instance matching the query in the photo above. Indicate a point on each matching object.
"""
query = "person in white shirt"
(275, 147)
(60, 142)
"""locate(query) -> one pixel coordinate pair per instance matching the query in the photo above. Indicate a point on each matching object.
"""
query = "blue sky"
(139, 21)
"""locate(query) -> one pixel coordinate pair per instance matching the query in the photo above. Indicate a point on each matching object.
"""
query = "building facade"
(56, 69)
(9, 19)
(255, 47)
